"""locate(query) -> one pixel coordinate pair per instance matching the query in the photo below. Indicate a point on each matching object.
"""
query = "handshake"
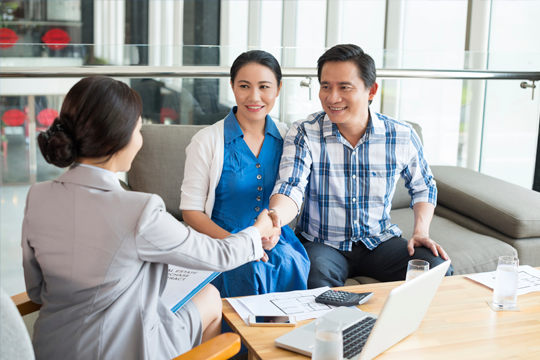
(269, 225)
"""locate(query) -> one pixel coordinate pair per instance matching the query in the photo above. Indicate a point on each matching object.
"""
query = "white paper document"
(529, 279)
(183, 284)
(300, 303)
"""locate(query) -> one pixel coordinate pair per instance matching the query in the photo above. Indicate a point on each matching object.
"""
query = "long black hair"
(97, 119)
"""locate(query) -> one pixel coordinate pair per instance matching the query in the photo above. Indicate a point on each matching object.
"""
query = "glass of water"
(506, 283)
(416, 268)
(328, 341)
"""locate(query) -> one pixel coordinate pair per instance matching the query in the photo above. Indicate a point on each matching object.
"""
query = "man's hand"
(276, 221)
(423, 213)
(269, 233)
(268, 243)
(423, 240)
(265, 226)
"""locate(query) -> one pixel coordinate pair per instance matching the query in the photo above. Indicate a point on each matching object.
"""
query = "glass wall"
(510, 130)
(488, 126)
(441, 107)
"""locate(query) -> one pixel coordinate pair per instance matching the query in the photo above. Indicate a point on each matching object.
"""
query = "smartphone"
(256, 320)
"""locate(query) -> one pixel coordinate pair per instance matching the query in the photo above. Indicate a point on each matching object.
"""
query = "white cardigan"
(204, 163)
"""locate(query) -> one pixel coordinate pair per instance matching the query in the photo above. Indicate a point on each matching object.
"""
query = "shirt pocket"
(382, 182)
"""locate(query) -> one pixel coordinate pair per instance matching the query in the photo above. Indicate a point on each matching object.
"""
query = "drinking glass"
(416, 268)
(328, 341)
(506, 283)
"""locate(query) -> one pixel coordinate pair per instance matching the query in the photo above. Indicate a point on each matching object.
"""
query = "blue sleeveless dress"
(243, 191)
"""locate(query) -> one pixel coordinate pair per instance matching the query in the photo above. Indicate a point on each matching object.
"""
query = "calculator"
(343, 298)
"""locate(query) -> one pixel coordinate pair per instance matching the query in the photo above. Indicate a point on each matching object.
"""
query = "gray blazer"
(94, 255)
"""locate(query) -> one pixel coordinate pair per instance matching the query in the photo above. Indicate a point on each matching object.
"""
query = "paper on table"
(241, 310)
(529, 279)
(299, 303)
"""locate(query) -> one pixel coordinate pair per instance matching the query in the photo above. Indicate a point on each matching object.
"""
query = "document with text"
(183, 284)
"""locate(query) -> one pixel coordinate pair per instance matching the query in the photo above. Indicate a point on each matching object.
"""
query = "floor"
(12, 202)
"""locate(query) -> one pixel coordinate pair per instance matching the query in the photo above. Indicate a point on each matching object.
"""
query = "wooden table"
(458, 325)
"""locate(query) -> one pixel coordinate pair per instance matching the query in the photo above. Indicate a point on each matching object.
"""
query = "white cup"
(506, 283)
(328, 341)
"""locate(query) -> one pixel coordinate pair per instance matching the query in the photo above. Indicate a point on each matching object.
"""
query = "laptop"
(366, 335)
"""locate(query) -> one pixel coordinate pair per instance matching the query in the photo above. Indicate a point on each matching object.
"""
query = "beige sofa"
(478, 218)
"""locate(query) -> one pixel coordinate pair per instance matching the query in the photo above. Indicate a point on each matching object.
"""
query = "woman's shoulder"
(119, 208)
(206, 142)
(210, 132)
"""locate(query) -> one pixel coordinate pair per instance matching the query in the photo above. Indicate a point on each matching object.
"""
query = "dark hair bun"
(57, 146)
(97, 120)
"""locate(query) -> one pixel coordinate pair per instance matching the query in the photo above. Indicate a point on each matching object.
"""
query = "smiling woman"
(231, 168)
(255, 90)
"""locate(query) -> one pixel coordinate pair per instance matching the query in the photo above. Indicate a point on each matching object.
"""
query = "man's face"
(343, 95)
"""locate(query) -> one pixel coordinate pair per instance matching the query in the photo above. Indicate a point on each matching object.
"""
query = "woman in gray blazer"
(95, 255)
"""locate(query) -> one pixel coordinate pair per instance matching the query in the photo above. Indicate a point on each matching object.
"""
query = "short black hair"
(97, 119)
(258, 57)
(355, 54)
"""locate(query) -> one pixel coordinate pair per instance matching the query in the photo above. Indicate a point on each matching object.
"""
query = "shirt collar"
(375, 125)
(329, 128)
(87, 175)
(105, 171)
(232, 129)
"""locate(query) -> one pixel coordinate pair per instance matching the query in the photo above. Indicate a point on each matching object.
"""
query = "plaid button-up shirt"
(349, 189)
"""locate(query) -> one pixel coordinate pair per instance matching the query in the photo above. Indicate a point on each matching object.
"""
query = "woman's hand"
(269, 233)
(269, 243)
(264, 258)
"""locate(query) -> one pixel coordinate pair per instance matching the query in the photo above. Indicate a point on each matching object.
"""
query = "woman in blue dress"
(230, 172)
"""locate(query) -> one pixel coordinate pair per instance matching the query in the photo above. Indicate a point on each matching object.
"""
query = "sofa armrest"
(508, 208)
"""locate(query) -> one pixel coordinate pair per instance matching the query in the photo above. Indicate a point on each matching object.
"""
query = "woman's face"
(255, 89)
(125, 157)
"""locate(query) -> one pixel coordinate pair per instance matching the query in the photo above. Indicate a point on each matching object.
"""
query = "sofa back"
(158, 168)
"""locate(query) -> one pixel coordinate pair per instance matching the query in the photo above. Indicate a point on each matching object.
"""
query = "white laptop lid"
(403, 311)
(400, 316)
(302, 340)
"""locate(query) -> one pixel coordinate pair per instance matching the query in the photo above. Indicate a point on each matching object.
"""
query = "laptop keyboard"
(355, 337)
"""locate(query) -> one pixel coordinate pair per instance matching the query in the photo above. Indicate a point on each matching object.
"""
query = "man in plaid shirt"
(345, 162)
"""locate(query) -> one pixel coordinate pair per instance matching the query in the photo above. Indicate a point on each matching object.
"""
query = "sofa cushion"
(511, 209)
(470, 252)
(527, 249)
(158, 168)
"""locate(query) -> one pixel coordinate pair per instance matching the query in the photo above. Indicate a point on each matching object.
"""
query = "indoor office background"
(491, 126)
